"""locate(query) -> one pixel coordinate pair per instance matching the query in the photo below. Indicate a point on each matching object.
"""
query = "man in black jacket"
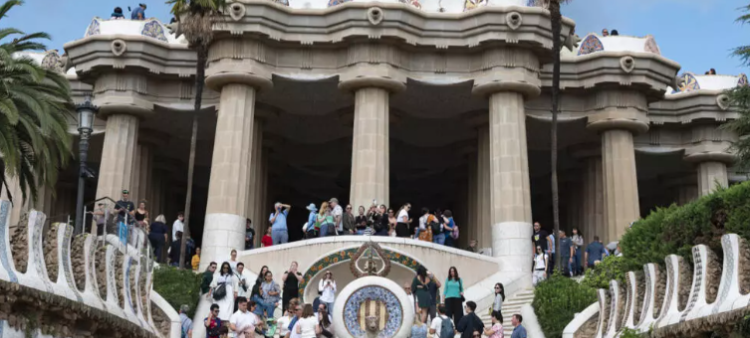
(470, 322)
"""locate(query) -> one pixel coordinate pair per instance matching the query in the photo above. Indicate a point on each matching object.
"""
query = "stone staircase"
(511, 306)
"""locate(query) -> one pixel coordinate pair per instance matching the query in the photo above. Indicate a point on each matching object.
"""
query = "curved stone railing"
(57, 291)
(676, 302)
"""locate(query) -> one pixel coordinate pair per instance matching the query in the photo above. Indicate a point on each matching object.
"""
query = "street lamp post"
(86, 112)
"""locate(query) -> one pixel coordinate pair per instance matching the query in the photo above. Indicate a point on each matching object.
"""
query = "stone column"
(118, 156)
(620, 182)
(593, 199)
(256, 161)
(711, 174)
(370, 152)
(229, 187)
(473, 225)
(144, 176)
(484, 188)
(509, 178)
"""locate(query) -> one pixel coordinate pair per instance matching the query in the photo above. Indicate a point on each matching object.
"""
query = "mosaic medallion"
(332, 3)
(4, 210)
(473, 4)
(688, 83)
(154, 30)
(742, 82)
(346, 255)
(651, 46)
(370, 260)
(94, 28)
(52, 61)
(373, 305)
(591, 44)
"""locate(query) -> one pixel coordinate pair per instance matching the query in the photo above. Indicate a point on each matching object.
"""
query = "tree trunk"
(200, 80)
(554, 8)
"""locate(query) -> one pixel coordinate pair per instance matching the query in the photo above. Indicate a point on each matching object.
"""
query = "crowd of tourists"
(245, 307)
(331, 219)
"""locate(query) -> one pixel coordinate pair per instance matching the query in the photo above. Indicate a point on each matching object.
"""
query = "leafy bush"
(611, 268)
(178, 286)
(557, 300)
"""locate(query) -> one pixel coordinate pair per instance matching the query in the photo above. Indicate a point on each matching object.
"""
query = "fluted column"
(229, 187)
(118, 156)
(593, 199)
(143, 172)
(255, 163)
(711, 174)
(370, 150)
(509, 178)
(484, 188)
(620, 182)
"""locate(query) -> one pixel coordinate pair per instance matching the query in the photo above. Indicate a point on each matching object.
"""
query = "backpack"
(446, 328)
(434, 224)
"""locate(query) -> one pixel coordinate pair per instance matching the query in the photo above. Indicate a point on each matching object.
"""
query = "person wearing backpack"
(442, 326)
(186, 324)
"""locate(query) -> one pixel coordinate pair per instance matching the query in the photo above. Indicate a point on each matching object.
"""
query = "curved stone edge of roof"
(690, 82)
(152, 28)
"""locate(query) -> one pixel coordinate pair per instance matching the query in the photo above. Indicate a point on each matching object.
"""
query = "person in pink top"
(496, 330)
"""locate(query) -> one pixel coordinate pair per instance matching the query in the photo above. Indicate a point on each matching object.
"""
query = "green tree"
(196, 20)
(740, 100)
(34, 106)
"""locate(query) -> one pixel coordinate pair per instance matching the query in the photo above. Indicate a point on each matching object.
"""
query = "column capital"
(492, 86)
(125, 105)
(615, 119)
(373, 75)
(249, 77)
(709, 152)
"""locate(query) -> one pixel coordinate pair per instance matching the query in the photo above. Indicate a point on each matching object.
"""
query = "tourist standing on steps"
(470, 324)
(449, 228)
(270, 292)
(497, 305)
(324, 221)
(311, 232)
(434, 295)
(360, 222)
(577, 238)
(551, 254)
(496, 330)
(233, 260)
(349, 221)
(174, 250)
(158, 236)
(436, 327)
(241, 284)
(186, 324)
(519, 331)
(567, 251)
(337, 213)
(280, 233)
(178, 225)
(539, 238)
(243, 322)
(291, 279)
(403, 221)
(418, 329)
(208, 277)
(594, 252)
(541, 261)
(267, 240)
(249, 234)
(141, 214)
(421, 286)
(196, 261)
(327, 288)
(223, 284)
(454, 294)
(212, 322)
(392, 224)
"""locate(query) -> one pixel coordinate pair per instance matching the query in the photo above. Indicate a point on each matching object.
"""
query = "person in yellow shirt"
(196, 259)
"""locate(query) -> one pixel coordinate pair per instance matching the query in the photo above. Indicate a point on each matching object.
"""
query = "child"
(267, 240)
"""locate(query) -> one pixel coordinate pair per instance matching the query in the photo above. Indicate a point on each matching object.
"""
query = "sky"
(698, 34)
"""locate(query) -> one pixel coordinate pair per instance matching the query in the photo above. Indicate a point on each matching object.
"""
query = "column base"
(511, 245)
(222, 233)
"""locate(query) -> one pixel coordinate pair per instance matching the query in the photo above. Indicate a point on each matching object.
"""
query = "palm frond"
(7, 6)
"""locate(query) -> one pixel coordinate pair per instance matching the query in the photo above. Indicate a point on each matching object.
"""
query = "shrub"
(610, 268)
(557, 300)
(178, 287)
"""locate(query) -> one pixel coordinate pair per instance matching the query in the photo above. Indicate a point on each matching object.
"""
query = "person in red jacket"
(267, 240)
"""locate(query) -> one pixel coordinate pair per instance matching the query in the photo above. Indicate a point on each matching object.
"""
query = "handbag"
(220, 292)
(461, 284)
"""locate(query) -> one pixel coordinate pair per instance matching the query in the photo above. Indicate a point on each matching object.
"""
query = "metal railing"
(125, 229)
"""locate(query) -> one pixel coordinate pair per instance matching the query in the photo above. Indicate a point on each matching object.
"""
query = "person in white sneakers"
(442, 326)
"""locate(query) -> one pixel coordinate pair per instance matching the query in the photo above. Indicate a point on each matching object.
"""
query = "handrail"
(130, 232)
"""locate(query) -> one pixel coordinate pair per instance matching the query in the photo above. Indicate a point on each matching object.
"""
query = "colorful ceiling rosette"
(591, 44)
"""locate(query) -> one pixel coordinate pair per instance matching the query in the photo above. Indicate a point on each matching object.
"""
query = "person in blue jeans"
(439, 236)
(279, 234)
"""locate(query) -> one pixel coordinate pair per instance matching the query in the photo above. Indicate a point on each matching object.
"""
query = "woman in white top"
(226, 303)
(283, 322)
(307, 325)
(402, 225)
(233, 260)
(540, 266)
(327, 288)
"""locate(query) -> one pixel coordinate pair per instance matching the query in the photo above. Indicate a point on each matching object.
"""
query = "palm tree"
(34, 106)
(556, 16)
(196, 21)
(740, 99)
